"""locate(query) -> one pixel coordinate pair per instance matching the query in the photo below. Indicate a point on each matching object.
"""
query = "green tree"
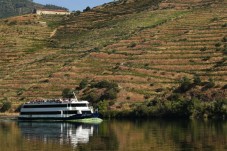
(83, 84)
(197, 80)
(210, 83)
(109, 94)
(93, 97)
(185, 85)
(6, 106)
(105, 84)
(87, 9)
(103, 105)
(67, 93)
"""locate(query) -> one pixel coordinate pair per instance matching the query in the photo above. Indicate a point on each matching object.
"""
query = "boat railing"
(48, 101)
(52, 101)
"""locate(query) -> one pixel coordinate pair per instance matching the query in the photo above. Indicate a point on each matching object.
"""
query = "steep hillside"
(145, 46)
(19, 7)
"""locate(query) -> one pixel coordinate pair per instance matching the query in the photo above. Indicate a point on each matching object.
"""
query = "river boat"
(59, 110)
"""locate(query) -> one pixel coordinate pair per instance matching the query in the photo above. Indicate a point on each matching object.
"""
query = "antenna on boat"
(75, 96)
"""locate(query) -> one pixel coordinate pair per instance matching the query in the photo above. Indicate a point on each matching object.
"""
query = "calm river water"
(114, 135)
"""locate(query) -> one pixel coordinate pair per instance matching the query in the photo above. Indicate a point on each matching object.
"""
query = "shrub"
(105, 84)
(181, 108)
(67, 93)
(12, 23)
(205, 58)
(198, 108)
(159, 90)
(6, 106)
(112, 51)
(152, 103)
(110, 94)
(132, 44)
(146, 64)
(224, 51)
(219, 108)
(224, 25)
(83, 84)
(141, 111)
(224, 39)
(20, 91)
(154, 108)
(185, 85)
(146, 96)
(218, 49)
(215, 109)
(197, 80)
(224, 58)
(96, 49)
(76, 13)
(93, 97)
(151, 84)
(103, 106)
(128, 98)
(214, 19)
(220, 63)
(87, 9)
(209, 84)
(174, 96)
(99, 91)
(224, 87)
(175, 108)
(183, 39)
(218, 44)
(203, 49)
(52, 43)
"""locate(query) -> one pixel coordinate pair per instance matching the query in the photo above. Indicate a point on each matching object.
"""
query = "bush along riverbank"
(159, 108)
(172, 109)
(192, 98)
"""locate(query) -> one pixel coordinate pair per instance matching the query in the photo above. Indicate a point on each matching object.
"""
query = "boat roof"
(53, 10)
(57, 101)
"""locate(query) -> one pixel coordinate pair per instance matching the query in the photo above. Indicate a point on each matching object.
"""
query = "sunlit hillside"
(145, 46)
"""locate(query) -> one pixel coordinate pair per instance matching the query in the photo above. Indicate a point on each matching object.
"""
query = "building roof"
(53, 10)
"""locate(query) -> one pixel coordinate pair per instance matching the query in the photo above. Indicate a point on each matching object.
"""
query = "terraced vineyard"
(146, 48)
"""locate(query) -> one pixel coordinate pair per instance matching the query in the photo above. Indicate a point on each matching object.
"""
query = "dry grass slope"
(145, 49)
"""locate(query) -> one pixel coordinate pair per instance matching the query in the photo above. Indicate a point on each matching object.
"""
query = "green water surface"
(114, 135)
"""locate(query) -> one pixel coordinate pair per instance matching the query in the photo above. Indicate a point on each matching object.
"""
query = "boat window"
(40, 113)
(86, 112)
(45, 106)
(70, 112)
(79, 105)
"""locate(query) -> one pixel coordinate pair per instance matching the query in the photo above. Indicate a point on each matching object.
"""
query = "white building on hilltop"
(52, 12)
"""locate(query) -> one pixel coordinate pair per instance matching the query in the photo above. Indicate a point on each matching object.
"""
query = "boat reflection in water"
(61, 133)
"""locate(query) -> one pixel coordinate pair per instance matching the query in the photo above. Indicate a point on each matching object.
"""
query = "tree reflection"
(114, 135)
(172, 135)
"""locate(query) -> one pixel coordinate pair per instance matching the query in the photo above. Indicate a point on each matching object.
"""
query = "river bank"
(185, 109)
(178, 108)
(9, 115)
